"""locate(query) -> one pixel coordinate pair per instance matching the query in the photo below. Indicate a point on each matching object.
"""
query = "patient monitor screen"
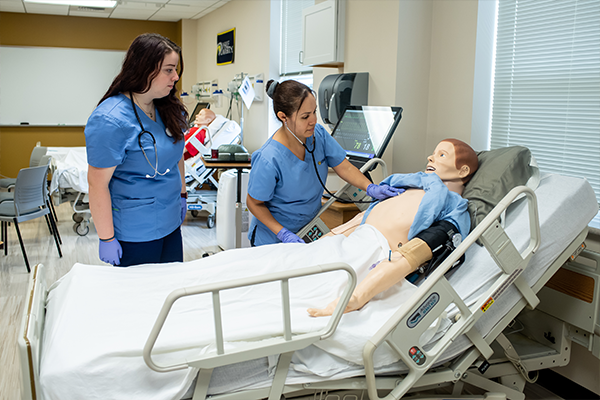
(365, 131)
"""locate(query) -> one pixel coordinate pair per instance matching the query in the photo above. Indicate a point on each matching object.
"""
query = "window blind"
(291, 36)
(547, 84)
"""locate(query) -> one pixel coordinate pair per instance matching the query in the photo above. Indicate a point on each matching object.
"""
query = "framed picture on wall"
(225, 47)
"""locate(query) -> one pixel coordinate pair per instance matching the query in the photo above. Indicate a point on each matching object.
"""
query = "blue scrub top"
(143, 209)
(289, 186)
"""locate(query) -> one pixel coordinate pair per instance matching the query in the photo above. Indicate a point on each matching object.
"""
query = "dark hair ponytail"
(287, 96)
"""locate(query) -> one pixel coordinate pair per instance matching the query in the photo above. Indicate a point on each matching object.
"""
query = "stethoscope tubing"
(154, 167)
(312, 153)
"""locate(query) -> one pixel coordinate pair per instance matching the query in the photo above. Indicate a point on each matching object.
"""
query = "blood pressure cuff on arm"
(437, 234)
(428, 244)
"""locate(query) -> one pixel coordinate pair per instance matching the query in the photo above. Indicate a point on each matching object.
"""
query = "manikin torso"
(392, 217)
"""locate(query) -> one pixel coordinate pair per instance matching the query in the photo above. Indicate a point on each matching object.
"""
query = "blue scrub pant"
(165, 250)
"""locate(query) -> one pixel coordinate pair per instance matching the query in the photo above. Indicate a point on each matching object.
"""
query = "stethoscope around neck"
(312, 153)
(154, 167)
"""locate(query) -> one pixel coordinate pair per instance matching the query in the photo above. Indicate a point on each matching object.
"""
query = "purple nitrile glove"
(183, 208)
(288, 237)
(111, 252)
(382, 192)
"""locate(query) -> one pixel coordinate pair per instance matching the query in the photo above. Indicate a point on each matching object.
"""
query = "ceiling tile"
(130, 13)
(155, 10)
(35, 8)
(11, 6)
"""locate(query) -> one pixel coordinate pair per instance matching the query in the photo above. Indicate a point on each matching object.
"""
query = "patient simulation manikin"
(429, 198)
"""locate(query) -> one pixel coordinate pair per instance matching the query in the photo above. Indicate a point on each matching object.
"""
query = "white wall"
(251, 20)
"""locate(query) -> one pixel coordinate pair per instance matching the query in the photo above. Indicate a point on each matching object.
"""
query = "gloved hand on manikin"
(382, 192)
(288, 237)
(111, 252)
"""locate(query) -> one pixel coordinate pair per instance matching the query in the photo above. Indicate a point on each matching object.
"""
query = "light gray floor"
(40, 247)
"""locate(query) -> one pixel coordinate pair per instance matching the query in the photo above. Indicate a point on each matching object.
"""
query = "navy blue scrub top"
(143, 209)
(289, 186)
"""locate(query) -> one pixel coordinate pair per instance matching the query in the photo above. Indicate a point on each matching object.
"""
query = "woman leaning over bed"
(284, 192)
(135, 155)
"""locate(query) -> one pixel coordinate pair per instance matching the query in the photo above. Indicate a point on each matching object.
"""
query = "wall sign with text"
(225, 47)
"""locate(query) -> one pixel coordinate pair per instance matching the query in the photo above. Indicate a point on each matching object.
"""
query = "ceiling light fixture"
(81, 3)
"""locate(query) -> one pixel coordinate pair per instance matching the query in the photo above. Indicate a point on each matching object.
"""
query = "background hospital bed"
(484, 313)
(69, 183)
(220, 131)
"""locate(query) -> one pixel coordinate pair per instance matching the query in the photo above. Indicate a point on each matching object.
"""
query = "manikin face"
(443, 163)
(167, 76)
(303, 121)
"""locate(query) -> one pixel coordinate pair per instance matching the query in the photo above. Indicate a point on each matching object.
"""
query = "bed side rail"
(402, 332)
(30, 334)
(262, 348)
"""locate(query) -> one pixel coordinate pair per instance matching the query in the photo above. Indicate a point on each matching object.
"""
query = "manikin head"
(453, 161)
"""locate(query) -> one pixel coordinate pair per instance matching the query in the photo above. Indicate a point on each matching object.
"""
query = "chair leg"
(48, 224)
(55, 223)
(56, 236)
(22, 246)
(52, 226)
(5, 236)
(52, 208)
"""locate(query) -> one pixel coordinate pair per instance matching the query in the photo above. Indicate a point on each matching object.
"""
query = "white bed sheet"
(70, 168)
(565, 205)
(76, 323)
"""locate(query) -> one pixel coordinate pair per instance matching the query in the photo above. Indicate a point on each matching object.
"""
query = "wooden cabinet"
(323, 32)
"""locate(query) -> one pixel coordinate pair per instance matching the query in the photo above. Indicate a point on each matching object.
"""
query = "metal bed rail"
(289, 341)
(404, 329)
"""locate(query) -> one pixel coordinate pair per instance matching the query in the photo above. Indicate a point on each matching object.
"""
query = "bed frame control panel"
(417, 355)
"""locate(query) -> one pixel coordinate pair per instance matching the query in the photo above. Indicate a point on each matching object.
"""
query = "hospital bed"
(465, 328)
(220, 131)
(69, 183)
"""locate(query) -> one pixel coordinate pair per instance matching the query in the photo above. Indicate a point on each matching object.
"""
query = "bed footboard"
(30, 334)
(403, 331)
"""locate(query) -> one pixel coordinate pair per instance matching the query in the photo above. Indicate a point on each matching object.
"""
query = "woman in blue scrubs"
(284, 192)
(134, 141)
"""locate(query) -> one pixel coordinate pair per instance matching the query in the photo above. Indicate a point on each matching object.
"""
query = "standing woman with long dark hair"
(134, 141)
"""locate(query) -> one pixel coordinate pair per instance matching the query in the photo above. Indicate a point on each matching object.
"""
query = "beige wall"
(425, 65)
(251, 20)
(454, 30)
(18, 29)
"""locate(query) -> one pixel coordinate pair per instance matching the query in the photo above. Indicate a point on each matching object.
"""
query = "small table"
(338, 213)
(238, 166)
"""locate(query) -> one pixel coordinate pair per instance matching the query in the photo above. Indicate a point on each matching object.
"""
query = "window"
(546, 85)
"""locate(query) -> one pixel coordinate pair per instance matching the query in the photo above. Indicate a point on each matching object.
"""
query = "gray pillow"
(498, 173)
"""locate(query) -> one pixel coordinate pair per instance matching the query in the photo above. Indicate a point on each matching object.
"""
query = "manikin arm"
(385, 275)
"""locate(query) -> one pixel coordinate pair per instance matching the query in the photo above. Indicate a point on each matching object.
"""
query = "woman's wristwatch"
(184, 195)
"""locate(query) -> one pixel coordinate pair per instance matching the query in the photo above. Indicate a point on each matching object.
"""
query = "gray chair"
(34, 160)
(5, 196)
(30, 202)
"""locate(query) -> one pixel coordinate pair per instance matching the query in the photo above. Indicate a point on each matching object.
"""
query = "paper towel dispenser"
(338, 91)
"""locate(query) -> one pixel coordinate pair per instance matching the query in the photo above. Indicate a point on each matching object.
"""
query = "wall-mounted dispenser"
(338, 91)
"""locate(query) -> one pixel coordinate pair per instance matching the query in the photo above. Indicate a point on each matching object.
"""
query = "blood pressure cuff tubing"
(427, 243)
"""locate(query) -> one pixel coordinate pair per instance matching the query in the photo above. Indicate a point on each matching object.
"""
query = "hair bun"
(272, 86)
